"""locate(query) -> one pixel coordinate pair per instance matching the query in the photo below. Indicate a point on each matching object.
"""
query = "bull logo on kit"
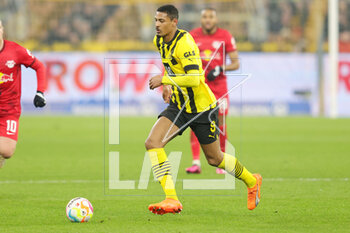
(10, 64)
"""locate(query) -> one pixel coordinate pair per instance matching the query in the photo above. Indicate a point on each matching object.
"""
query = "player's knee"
(151, 144)
(7, 152)
(213, 161)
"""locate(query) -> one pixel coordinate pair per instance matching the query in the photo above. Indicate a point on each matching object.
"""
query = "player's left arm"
(232, 52)
(28, 60)
(166, 93)
(39, 99)
(234, 61)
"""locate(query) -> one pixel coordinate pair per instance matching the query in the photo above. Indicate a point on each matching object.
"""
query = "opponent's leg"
(228, 162)
(7, 149)
(161, 166)
(195, 147)
(223, 138)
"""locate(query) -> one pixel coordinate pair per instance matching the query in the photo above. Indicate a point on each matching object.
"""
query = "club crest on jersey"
(207, 54)
(10, 64)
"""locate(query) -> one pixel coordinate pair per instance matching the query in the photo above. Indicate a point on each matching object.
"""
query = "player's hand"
(214, 73)
(39, 99)
(155, 81)
(166, 93)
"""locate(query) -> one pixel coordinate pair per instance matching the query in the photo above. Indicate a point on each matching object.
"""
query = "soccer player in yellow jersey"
(191, 104)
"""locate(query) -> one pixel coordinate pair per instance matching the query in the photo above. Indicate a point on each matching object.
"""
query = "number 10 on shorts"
(11, 127)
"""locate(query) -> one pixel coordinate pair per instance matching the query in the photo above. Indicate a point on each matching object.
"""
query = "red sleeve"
(230, 43)
(39, 67)
(24, 56)
(28, 60)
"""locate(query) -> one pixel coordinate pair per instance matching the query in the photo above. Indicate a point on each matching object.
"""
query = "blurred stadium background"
(283, 44)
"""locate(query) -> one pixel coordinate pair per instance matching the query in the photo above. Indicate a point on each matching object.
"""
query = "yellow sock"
(161, 169)
(235, 168)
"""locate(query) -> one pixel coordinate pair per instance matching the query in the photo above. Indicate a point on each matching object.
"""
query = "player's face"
(208, 20)
(164, 25)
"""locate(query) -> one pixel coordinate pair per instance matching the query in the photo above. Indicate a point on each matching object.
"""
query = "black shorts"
(203, 124)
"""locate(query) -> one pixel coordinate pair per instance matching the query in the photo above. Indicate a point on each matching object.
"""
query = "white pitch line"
(49, 181)
(306, 179)
(101, 181)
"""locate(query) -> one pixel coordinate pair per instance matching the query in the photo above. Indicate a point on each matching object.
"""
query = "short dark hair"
(208, 8)
(171, 11)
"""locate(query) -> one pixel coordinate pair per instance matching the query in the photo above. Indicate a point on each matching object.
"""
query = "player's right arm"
(188, 56)
(190, 79)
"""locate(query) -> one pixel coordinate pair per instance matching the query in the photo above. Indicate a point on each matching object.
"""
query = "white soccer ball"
(79, 209)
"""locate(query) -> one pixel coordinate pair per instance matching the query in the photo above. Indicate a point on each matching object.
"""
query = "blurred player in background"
(214, 44)
(191, 104)
(12, 56)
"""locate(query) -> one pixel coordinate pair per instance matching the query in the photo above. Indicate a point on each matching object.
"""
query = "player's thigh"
(205, 126)
(161, 133)
(8, 134)
(208, 135)
(9, 126)
(7, 147)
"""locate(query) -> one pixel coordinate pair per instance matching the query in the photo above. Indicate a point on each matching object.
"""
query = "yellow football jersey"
(180, 56)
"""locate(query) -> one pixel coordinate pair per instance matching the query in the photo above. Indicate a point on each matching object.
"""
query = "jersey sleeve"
(188, 54)
(25, 56)
(230, 43)
(190, 80)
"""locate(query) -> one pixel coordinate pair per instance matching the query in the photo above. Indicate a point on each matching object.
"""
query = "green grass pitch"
(304, 163)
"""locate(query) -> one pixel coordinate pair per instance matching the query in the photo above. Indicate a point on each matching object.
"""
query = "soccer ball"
(79, 209)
